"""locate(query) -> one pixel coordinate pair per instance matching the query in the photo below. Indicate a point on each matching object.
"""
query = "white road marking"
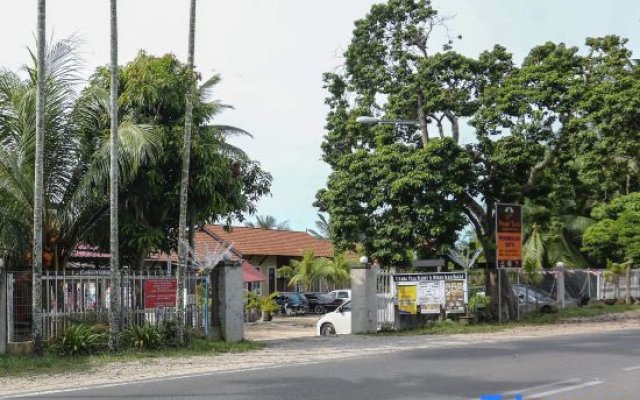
(548, 385)
(631, 368)
(565, 389)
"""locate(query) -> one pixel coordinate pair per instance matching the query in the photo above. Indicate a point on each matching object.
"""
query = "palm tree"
(268, 222)
(184, 183)
(310, 269)
(38, 199)
(546, 243)
(322, 224)
(75, 180)
(114, 310)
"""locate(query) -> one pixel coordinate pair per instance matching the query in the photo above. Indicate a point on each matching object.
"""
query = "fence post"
(560, 283)
(9, 307)
(3, 306)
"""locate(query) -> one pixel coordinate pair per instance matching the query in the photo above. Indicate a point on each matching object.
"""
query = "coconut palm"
(547, 243)
(75, 176)
(184, 183)
(268, 222)
(322, 226)
(38, 182)
(311, 269)
(114, 310)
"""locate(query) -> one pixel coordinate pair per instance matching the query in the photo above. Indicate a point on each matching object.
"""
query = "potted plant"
(252, 306)
(268, 306)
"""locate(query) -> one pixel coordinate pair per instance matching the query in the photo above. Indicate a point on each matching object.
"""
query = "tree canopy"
(225, 183)
(542, 131)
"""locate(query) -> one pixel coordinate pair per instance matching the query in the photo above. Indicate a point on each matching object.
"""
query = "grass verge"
(449, 327)
(55, 364)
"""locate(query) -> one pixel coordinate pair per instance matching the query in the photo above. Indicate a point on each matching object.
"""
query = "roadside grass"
(449, 327)
(52, 363)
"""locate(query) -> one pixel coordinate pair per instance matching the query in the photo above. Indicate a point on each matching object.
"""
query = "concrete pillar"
(364, 298)
(227, 317)
(560, 283)
(3, 310)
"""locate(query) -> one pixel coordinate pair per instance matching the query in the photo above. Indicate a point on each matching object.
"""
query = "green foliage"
(616, 235)
(225, 182)
(81, 339)
(251, 301)
(547, 131)
(76, 172)
(313, 269)
(142, 337)
(478, 301)
(268, 303)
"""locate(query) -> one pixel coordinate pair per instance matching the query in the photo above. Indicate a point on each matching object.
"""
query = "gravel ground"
(298, 348)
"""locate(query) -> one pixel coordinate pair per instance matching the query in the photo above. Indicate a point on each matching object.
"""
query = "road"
(603, 366)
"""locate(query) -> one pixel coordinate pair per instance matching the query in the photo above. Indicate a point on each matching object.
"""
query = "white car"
(342, 294)
(337, 322)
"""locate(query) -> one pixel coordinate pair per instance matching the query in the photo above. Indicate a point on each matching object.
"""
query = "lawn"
(53, 363)
(449, 327)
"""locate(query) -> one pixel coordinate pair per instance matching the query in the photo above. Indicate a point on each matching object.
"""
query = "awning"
(251, 274)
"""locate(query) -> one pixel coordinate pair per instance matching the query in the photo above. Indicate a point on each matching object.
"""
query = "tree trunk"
(115, 305)
(422, 120)
(184, 183)
(38, 190)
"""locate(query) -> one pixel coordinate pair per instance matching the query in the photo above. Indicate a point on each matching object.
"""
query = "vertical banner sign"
(509, 235)
(160, 293)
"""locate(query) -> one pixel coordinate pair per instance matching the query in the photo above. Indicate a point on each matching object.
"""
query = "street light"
(369, 120)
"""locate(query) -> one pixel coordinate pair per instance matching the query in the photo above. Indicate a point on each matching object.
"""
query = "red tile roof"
(256, 241)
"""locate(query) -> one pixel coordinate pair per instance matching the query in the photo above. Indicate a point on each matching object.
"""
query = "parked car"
(291, 303)
(337, 322)
(531, 298)
(342, 294)
(320, 303)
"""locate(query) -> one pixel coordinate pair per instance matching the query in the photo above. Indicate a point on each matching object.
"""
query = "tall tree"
(396, 189)
(184, 183)
(38, 194)
(76, 174)
(114, 309)
(228, 185)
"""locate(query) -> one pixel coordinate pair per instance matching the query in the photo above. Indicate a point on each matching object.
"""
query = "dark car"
(292, 303)
(320, 303)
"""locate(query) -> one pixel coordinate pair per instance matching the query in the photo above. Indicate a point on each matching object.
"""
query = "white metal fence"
(78, 297)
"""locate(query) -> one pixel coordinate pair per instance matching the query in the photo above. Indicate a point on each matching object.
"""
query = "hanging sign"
(509, 236)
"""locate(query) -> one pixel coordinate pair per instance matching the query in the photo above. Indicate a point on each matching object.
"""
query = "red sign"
(160, 293)
(509, 235)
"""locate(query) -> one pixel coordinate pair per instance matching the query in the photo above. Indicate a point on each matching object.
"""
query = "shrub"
(142, 337)
(80, 339)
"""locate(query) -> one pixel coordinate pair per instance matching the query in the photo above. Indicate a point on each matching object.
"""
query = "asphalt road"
(580, 367)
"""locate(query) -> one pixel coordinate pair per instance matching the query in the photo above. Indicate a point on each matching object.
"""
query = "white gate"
(386, 310)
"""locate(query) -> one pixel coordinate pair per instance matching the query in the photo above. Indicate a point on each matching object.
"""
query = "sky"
(271, 55)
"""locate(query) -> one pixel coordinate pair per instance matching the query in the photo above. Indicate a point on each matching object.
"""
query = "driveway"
(281, 328)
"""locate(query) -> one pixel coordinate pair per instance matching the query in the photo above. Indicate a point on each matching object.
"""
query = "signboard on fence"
(431, 293)
(407, 299)
(160, 293)
(509, 236)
